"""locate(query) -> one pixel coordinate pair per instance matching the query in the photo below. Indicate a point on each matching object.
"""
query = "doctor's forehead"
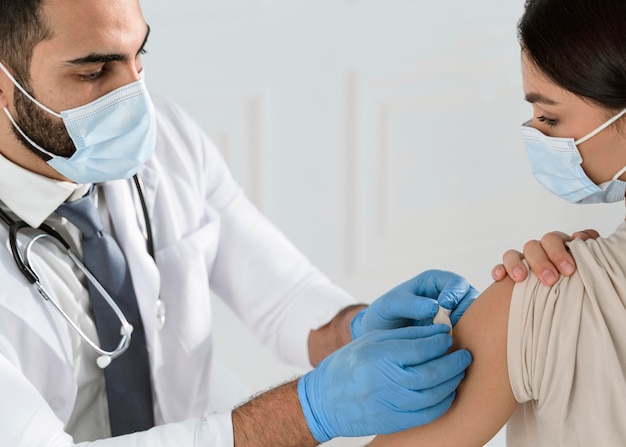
(87, 26)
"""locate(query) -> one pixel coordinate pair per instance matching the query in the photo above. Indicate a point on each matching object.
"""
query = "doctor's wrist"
(273, 418)
(332, 336)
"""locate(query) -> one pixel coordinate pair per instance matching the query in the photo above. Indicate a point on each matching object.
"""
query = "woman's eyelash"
(548, 121)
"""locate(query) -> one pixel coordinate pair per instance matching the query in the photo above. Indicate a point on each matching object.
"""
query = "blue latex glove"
(415, 302)
(382, 382)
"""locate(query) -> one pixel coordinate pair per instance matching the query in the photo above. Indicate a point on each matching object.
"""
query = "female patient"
(552, 360)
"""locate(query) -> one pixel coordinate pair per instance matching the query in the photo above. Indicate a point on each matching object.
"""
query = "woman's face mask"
(113, 135)
(556, 164)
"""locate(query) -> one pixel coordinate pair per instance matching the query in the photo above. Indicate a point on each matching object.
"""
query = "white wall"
(382, 136)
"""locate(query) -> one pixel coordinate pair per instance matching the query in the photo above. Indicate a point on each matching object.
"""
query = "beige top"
(567, 352)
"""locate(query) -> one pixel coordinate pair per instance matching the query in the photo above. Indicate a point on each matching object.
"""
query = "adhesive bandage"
(443, 317)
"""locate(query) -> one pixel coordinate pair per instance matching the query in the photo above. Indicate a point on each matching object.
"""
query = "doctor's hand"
(382, 382)
(546, 258)
(415, 302)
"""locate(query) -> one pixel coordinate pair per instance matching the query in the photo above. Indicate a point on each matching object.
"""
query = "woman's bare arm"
(484, 399)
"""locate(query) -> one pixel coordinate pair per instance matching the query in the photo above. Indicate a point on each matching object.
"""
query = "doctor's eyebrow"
(539, 98)
(95, 58)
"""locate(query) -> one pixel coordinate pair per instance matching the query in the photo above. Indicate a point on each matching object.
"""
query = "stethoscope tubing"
(126, 328)
(47, 232)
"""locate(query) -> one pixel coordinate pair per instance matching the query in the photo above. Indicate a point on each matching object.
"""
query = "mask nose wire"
(28, 95)
(600, 129)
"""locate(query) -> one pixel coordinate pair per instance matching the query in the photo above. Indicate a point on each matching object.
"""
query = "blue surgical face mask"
(113, 135)
(556, 164)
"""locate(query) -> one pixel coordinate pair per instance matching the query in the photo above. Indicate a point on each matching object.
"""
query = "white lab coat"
(207, 234)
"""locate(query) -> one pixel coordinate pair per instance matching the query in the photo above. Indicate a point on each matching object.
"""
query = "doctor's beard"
(47, 131)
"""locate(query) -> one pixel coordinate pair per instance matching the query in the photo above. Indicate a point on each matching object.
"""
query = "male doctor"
(76, 124)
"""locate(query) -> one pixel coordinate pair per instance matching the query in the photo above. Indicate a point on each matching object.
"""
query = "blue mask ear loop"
(40, 105)
(49, 155)
(600, 129)
(619, 174)
(597, 131)
(28, 95)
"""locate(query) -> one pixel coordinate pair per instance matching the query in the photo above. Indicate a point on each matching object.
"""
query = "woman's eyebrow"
(539, 98)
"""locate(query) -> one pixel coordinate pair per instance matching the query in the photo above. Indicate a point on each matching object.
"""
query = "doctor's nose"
(121, 74)
(130, 72)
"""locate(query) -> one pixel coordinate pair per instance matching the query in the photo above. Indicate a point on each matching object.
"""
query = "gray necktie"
(127, 378)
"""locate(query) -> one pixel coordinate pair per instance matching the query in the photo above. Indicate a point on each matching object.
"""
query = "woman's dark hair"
(580, 45)
(21, 28)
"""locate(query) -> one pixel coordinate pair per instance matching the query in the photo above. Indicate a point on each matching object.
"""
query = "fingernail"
(548, 276)
(567, 267)
(518, 272)
(497, 273)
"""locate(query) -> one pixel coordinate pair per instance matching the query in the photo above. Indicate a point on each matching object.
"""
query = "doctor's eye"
(547, 121)
(94, 76)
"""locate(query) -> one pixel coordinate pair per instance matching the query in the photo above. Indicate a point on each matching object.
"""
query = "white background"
(382, 136)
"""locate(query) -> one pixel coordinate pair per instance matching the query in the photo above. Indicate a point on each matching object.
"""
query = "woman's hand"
(547, 258)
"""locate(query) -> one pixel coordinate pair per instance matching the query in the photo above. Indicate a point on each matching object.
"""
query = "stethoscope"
(22, 260)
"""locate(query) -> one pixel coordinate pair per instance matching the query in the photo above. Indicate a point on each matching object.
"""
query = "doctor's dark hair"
(580, 45)
(22, 27)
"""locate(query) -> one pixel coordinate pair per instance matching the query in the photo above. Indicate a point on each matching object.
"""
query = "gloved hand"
(382, 382)
(415, 302)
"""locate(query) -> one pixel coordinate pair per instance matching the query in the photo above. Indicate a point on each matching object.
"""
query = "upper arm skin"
(484, 399)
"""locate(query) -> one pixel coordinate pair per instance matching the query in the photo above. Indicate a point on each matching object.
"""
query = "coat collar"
(33, 197)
